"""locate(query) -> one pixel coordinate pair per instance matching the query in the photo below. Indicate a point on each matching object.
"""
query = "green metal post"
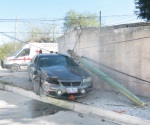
(107, 79)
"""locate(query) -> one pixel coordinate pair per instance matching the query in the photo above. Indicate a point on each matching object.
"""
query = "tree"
(41, 33)
(73, 20)
(143, 9)
(34, 33)
(8, 49)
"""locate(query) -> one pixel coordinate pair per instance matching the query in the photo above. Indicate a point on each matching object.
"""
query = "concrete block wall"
(125, 49)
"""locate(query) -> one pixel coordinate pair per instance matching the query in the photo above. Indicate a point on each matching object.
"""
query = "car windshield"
(17, 52)
(46, 61)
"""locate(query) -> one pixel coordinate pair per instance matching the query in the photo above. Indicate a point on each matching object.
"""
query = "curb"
(80, 108)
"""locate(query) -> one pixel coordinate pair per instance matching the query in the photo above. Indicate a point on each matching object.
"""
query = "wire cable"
(21, 41)
(115, 42)
(33, 32)
(117, 21)
(108, 67)
(78, 36)
(46, 19)
(77, 39)
(11, 37)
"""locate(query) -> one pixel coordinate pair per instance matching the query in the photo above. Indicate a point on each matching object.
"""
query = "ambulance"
(21, 58)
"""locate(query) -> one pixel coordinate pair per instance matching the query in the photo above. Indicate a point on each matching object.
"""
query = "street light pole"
(100, 20)
(15, 32)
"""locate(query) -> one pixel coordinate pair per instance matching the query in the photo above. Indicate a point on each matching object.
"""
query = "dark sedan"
(59, 76)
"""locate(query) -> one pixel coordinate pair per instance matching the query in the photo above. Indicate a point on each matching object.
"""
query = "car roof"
(50, 54)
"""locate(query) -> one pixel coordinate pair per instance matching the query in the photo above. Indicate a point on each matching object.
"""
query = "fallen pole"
(107, 79)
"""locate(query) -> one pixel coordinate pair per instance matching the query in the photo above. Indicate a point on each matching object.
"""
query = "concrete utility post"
(15, 31)
(100, 19)
(107, 79)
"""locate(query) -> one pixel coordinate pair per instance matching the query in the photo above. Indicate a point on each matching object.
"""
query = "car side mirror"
(32, 65)
(34, 69)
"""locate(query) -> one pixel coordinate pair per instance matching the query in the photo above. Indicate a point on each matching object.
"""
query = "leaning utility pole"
(114, 84)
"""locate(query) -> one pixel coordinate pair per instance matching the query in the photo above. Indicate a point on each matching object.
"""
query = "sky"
(50, 9)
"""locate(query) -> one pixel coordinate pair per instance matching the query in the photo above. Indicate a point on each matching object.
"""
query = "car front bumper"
(5, 66)
(60, 91)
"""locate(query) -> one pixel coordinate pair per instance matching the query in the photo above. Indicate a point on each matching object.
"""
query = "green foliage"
(73, 20)
(8, 49)
(41, 33)
(36, 33)
(143, 9)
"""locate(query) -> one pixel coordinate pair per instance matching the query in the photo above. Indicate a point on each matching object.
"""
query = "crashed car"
(58, 76)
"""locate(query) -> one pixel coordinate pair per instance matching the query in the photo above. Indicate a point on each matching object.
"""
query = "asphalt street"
(19, 110)
(108, 100)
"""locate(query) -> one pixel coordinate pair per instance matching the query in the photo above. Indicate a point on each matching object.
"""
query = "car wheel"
(14, 68)
(36, 85)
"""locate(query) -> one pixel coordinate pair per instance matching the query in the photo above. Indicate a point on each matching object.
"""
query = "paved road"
(107, 100)
(19, 79)
(19, 110)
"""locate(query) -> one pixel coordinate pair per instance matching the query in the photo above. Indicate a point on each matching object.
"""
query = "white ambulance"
(21, 58)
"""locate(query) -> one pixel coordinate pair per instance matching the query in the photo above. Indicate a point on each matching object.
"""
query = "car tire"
(36, 86)
(14, 68)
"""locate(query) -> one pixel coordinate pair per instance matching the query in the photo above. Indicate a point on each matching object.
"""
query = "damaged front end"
(68, 89)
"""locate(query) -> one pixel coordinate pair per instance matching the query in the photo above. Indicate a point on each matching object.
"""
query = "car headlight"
(52, 81)
(88, 79)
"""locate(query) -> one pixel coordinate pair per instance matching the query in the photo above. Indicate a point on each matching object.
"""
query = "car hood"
(65, 72)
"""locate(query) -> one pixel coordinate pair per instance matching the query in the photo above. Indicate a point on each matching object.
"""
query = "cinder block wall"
(113, 47)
